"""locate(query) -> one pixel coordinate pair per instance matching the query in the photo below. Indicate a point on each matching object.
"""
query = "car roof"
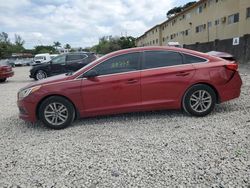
(167, 48)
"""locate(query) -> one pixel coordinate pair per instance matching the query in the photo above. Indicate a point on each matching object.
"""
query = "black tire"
(3, 79)
(40, 75)
(199, 106)
(46, 113)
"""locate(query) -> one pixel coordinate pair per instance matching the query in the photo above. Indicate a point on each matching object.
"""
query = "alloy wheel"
(200, 101)
(56, 113)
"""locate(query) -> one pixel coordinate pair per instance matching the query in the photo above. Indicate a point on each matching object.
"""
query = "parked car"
(63, 63)
(41, 58)
(137, 79)
(11, 62)
(19, 62)
(223, 55)
(5, 71)
(174, 44)
(28, 61)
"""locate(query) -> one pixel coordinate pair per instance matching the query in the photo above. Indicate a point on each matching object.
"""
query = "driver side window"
(59, 59)
(119, 64)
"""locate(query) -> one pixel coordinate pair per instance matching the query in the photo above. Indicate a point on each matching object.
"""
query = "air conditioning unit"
(223, 19)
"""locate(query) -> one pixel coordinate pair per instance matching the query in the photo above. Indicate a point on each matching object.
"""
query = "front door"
(116, 89)
(58, 65)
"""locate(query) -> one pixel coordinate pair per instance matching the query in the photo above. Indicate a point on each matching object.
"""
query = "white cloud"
(77, 22)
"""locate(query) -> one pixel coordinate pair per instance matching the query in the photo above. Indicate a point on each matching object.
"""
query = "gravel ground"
(153, 149)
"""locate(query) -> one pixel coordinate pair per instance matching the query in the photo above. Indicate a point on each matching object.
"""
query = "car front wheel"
(56, 112)
(199, 100)
(40, 74)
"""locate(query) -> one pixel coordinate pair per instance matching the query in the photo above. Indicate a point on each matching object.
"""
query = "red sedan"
(5, 72)
(138, 79)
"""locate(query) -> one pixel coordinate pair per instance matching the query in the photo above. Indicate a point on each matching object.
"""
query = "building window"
(199, 10)
(200, 28)
(248, 12)
(156, 41)
(217, 22)
(233, 18)
(209, 24)
(186, 32)
(163, 39)
(188, 16)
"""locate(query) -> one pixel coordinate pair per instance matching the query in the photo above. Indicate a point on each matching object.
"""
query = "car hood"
(52, 79)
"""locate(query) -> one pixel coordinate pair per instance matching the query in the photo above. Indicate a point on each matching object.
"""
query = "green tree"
(19, 41)
(109, 44)
(5, 45)
(172, 12)
(57, 44)
(44, 49)
(67, 46)
(4, 37)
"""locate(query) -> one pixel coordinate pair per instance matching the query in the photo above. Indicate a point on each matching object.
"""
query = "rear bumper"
(27, 111)
(232, 89)
(6, 74)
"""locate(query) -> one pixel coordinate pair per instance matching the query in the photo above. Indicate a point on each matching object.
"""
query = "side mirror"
(90, 74)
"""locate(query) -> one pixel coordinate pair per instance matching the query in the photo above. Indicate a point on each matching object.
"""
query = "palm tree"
(57, 44)
(67, 46)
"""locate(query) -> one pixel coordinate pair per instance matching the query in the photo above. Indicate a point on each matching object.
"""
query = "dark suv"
(60, 64)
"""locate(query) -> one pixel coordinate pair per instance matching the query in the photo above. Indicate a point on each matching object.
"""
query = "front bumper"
(27, 110)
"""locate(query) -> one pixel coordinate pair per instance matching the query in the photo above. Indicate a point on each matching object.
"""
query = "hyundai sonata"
(137, 79)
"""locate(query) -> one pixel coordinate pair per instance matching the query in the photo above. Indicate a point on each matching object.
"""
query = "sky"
(80, 22)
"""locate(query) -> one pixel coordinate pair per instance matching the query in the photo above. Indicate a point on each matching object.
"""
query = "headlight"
(26, 92)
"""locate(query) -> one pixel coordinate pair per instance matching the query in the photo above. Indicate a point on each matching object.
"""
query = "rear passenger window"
(74, 57)
(155, 59)
(192, 59)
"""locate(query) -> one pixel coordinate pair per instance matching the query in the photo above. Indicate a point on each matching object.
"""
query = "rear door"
(164, 79)
(74, 61)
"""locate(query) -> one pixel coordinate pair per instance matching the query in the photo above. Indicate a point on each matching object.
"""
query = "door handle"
(183, 74)
(132, 81)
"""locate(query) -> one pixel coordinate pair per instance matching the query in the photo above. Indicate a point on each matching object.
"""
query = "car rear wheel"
(199, 100)
(40, 74)
(56, 112)
(3, 80)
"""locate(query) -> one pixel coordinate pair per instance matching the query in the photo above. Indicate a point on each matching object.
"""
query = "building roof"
(177, 15)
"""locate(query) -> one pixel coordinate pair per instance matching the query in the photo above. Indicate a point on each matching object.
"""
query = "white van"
(42, 58)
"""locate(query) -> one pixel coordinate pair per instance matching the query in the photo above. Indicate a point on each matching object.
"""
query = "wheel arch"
(56, 95)
(204, 83)
(42, 69)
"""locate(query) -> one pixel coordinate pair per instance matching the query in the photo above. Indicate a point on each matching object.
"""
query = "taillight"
(232, 66)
